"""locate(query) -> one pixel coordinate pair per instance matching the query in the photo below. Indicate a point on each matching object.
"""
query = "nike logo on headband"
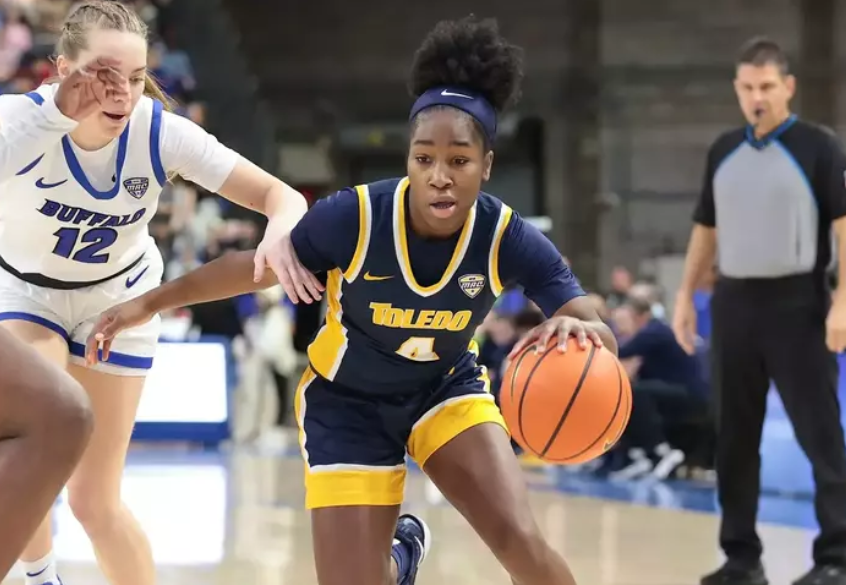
(447, 93)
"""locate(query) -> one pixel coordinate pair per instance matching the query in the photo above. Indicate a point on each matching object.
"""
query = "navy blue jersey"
(402, 310)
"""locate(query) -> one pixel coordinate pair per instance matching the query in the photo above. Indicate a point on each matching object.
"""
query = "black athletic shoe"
(823, 575)
(730, 574)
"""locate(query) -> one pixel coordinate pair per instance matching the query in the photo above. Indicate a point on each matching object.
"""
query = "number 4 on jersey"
(419, 349)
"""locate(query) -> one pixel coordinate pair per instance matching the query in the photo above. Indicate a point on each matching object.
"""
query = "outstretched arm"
(196, 155)
(225, 277)
(325, 238)
(228, 276)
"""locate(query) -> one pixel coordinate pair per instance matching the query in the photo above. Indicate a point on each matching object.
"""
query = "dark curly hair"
(472, 54)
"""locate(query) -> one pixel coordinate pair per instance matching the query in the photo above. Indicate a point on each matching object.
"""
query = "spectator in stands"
(275, 345)
(177, 205)
(41, 69)
(667, 383)
(511, 301)
(196, 112)
(499, 337)
(225, 317)
(174, 81)
(15, 41)
(184, 258)
(621, 282)
(149, 13)
(50, 17)
(649, 292)
(23, 82)
(176, 62)
(526, 320)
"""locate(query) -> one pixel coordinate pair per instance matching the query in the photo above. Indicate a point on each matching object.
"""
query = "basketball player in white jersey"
(82, 184)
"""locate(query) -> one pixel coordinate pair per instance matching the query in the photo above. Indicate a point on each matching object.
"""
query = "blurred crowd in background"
(671, 430)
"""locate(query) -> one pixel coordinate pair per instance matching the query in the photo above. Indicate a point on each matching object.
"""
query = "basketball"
(566, 408)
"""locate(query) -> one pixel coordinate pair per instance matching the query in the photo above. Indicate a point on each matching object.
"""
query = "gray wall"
(667, 68)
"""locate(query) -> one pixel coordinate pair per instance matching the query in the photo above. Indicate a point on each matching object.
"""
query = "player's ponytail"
(152, 89)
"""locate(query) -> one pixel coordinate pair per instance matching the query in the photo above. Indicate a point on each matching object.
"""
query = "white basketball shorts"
(73, 313)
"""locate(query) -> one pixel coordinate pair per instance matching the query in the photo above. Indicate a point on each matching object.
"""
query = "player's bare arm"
(228, 276)
(254, 188)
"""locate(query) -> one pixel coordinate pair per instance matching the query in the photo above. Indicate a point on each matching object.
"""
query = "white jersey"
(79, 216)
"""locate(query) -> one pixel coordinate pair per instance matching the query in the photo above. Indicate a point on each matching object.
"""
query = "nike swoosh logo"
(42, 185)
(368, 276)
(447, 93)
(131, 281)
(38, 573)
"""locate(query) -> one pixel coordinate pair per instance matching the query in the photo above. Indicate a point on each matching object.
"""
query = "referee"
(773, 193)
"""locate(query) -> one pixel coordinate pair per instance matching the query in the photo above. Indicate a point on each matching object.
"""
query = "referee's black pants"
(774, 329)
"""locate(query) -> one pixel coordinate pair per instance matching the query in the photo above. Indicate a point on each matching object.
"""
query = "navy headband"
(465, 100)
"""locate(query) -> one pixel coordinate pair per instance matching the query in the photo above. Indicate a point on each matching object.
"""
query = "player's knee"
(91, 509)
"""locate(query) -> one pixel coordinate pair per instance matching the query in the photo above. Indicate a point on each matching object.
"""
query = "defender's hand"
(277, 251)
(129, 314)
(84, 90)
(563, 328)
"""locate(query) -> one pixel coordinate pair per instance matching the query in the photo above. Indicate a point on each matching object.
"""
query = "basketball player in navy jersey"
(45, 424)
(414, 265)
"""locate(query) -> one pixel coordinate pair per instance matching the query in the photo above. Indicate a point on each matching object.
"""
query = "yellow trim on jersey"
(327, 350)
(299, 409)
(449, 419)
(365, 216)
(344, 485)
(401, 245)
(505, 214)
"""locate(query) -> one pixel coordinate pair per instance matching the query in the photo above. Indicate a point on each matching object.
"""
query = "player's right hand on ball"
(562, 328)
(129, 314)
(85, 89)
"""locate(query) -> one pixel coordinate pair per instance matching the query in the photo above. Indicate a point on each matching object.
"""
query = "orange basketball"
(566, 407)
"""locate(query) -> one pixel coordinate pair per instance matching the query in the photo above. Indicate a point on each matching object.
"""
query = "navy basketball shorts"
(355, 444)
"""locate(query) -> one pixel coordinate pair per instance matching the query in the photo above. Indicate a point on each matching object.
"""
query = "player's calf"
(479, 475)
(524, 552)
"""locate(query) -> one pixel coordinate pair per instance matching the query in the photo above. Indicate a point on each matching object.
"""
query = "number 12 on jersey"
(419, 349)
(96, 240)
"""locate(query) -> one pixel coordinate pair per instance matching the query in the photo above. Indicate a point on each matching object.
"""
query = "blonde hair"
(105, 15)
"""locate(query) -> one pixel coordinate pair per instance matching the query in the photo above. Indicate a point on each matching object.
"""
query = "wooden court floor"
(237, 519)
